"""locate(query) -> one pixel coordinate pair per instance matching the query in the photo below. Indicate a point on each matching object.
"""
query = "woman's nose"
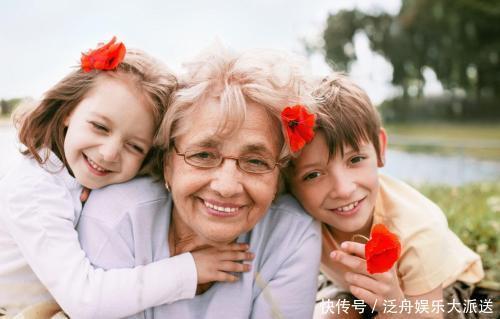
(226, 180)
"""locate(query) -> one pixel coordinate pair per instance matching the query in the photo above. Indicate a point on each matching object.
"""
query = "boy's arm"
(291, 291)
(41, 223)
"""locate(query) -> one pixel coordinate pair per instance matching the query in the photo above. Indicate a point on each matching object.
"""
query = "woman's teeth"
(95, 166)
(347, 208)
(220, 208)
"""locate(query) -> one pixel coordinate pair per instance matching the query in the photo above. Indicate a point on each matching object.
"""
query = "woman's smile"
(219, 209)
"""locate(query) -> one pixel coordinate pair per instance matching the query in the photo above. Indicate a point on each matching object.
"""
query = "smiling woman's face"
(221, 203)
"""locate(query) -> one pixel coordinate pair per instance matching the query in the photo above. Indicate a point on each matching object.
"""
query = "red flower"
(382, 250)
(299, 126)
(105, 57)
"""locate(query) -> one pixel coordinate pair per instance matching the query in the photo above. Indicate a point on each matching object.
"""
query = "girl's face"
(339, 191)
(108, 134)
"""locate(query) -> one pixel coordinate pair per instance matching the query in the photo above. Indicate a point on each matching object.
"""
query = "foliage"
(7, 106)
(458, 39)
(475, 139)
(472, 212)
(446, 107)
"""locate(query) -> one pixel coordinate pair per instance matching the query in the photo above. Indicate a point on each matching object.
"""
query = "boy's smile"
(339, 191)
(348, 209)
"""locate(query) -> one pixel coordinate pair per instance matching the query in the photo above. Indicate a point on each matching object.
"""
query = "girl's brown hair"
(43, 126)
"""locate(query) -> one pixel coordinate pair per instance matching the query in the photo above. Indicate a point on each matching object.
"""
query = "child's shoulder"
(405, 208)
(140, 195)
(27, 175)
(137, 191)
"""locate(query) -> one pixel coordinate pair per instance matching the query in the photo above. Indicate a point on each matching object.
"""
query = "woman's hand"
(216, 263)
(373, 289)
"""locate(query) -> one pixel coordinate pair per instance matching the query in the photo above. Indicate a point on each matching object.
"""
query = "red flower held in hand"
(382, 250)
(105, 57)
(299, 126)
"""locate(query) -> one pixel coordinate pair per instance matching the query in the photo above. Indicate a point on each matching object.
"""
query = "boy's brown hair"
(43, 126)
(346, 115)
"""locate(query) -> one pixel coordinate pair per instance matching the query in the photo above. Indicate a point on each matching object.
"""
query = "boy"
(336, 179)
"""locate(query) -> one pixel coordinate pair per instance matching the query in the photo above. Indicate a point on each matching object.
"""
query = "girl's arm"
(40, 219)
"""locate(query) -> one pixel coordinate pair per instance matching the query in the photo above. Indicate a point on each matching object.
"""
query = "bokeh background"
(432, 67)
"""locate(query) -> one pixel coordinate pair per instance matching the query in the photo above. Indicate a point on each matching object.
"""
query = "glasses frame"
(280, 163)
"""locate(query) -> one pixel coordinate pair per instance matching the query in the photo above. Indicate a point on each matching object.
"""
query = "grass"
(472, 211)
(449, 135)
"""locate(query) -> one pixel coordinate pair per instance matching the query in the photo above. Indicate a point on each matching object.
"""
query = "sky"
(41, 41)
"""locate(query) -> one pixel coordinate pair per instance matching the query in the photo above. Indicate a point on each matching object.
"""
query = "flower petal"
(382, 250)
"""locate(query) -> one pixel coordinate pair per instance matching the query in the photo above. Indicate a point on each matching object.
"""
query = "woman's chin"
(215, 238)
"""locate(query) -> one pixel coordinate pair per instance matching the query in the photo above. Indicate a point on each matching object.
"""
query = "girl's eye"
(137, 148)
(357, 159)
(99, 127)
(311, 175)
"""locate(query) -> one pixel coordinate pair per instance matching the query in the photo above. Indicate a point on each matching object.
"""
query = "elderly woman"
(224, 146)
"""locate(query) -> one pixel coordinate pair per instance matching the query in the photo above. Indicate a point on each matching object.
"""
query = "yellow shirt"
(431, 255)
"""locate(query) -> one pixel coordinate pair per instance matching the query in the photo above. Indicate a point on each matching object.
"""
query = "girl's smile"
(108, 134)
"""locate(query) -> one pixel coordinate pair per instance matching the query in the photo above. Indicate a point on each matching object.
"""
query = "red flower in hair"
(382, 250)
(299, 126)
(105, 57)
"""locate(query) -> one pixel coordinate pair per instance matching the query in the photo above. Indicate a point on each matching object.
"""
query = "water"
(418, 168)
(415, 168)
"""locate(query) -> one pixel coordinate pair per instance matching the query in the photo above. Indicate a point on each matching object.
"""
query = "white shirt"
(41, 257)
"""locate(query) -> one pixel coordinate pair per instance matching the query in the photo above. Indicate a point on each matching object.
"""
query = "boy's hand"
(215, 263)
(371, 288)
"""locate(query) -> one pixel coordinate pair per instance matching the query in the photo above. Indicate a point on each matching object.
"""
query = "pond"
(415, 168)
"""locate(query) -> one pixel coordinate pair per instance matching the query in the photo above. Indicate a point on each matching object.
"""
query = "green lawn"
(453, 138)
(473, 213)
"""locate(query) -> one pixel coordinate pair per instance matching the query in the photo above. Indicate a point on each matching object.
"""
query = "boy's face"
(340, 191)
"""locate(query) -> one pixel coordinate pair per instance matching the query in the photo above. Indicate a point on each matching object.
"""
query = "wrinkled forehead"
(251, 129)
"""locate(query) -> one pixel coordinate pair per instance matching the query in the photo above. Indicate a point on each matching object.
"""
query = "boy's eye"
(357, 159)
(99, 127)
(311, 175)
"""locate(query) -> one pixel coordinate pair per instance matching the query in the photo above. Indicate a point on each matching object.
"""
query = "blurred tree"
(458, 39)
(7, 106)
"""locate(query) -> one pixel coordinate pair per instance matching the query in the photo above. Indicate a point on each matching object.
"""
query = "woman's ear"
(167, 171)
(382, 142)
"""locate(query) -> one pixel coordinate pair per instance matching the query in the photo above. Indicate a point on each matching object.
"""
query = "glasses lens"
(255, 164)
(203, 158)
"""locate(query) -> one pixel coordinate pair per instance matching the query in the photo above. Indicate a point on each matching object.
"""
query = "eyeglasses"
(211, 158)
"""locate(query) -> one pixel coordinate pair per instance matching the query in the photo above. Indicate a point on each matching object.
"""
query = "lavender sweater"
(126, 225)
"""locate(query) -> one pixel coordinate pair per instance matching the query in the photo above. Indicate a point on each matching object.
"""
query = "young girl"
(93, 128)
(336, 180)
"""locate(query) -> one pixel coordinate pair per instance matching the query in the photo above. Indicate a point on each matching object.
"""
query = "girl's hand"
(84, 194)
(373, 289)
(216, 263)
